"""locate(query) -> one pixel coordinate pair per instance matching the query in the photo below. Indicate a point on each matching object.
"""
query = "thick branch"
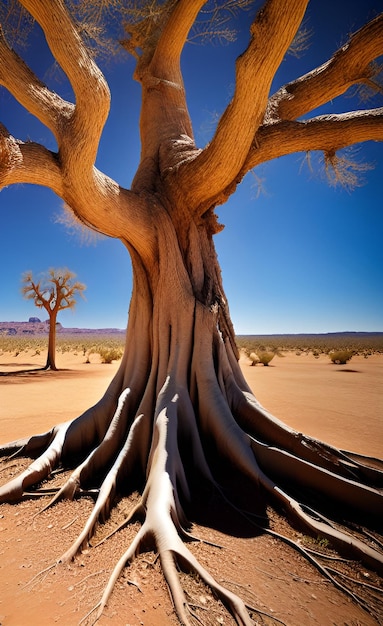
(90, 88)
(168, 50)
(32, 94)
(272, 32)
(27, 163)
(349, 65)
(327, 133)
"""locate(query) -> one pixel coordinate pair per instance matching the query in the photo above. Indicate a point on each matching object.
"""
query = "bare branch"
(174, 35)
(214, 22)
(88, 83)
(351, 64)
(32, 94)
(272, 33)
(16, 22)
(328, 133)
(27, 163)
(55, 290)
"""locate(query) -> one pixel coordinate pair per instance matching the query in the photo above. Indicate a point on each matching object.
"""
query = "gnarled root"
(204, 424)
(162, 523)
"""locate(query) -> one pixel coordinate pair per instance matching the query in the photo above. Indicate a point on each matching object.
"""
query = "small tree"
(54, 291)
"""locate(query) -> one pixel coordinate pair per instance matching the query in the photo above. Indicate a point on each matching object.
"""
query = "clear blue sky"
(300, 257)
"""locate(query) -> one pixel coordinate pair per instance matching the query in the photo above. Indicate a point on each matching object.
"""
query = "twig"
(39, 493)
(69, 523)
(97, 606)
(373, 538)
(356, 581)
(3, 469)
(81, 582)
(329, 557)
(132, 582)
(43, 571)
(249, 606)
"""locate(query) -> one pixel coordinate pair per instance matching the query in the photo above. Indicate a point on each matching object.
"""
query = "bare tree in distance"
(54, 291)
(179, 413)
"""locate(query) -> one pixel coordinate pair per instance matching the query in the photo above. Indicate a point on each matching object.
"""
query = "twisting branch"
(27, 163)
(174, 35)
(326, 132)
(90, 88)
(31, 92)
(271, 35)
(351, 64)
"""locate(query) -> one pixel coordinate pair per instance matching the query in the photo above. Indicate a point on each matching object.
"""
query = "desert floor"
(342, 405)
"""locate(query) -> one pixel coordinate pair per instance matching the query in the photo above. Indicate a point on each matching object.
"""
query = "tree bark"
(179, 409)
(51, 356)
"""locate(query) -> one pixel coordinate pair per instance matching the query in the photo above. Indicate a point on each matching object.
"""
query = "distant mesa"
(34, 326)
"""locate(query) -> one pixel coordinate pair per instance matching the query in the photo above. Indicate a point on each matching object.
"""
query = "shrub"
(109, 354)
(253, 358)
(341, 357)
(265, 357)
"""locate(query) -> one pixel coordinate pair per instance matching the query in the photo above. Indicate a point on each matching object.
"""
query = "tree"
(179, 409)
(54, 291)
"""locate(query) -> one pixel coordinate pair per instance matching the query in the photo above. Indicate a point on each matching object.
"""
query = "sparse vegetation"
(357, 344)
(110, 354)
(261, 356)
(253, 358)
(341, 357)
(85, 345)
(364, 344)
(319, 542)
(265, 357)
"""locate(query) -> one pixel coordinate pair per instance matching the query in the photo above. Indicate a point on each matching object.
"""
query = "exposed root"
(202, 425)
(126, 557)
(69, 524)
(39, 575)
(138, 510)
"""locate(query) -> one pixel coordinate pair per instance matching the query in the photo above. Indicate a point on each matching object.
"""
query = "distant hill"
(36, 327)
(359, 341)
(345, 334)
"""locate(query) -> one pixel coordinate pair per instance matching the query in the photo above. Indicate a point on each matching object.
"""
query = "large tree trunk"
(179, 408)
(179, 411)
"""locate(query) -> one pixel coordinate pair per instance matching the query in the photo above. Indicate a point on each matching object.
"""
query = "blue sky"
(301, 256)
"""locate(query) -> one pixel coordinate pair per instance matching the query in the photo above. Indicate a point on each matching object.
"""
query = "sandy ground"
(340, 404)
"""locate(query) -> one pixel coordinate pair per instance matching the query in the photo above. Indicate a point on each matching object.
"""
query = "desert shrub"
(306, 343)
(341, 357)
(265, 357)
(109, 354)
(320, 542)
(253, 358)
